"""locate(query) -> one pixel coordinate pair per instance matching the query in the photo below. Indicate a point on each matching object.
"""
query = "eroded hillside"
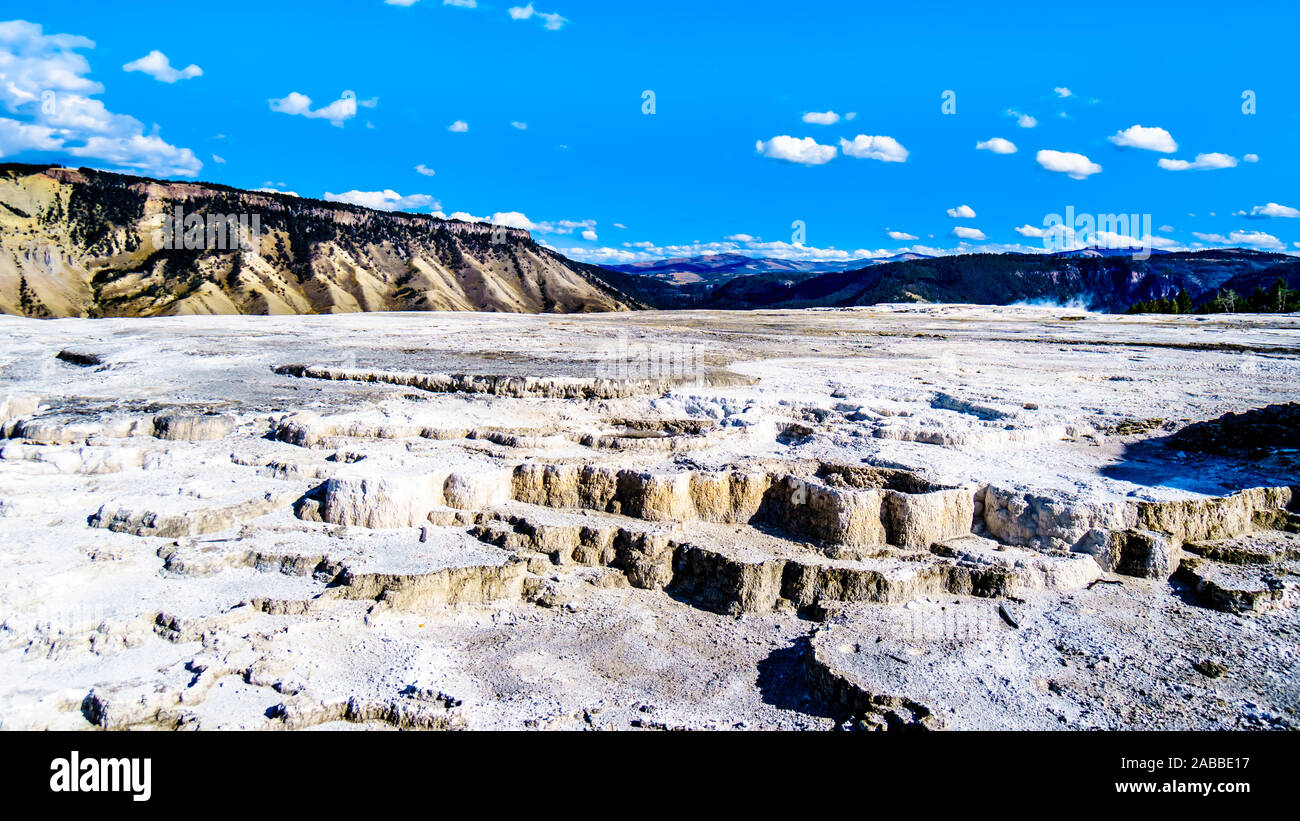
(84, 243)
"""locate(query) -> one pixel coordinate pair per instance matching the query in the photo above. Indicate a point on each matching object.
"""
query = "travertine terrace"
(940, 517)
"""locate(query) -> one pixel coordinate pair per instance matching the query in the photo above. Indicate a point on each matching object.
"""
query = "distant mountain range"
(714, 267)
(1096, 278)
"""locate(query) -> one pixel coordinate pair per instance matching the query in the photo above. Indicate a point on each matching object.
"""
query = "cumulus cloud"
(550, 22)
(1149, 139)
(336, 113)
(1270, 210)
(1251, 158)
(517, 219)
(1076, 166)
(1203, 162)
(464, 4)
(458, 127)
(157, 66)
(386, 200)
(821, 118)
(1062, 91)
(424, 170)
(899, 235)
(885, 149)
(962, 232)
(45, 84)
(589, 235)
(522, 126)
(962, 212)
(806, 151)
(1059, 237)
(740, 238)
(997, 145)
(1255, 239)
(1022, 120)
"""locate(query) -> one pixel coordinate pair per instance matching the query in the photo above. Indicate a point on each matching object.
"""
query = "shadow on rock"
(783, 681)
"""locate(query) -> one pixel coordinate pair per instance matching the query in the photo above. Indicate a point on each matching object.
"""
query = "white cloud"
(821, 118)
(517, 219)
(16, 137)
(458, 127)
(1165, 229)
(513, 219)
(44, 82)
(1149, 139)
(589, 235)
(997, 145)
(460, 215)
(1255, 239)
(424, 170)
(1059, 237)
(386, 200)
(1062, 91)
(1076, 166)
(962, 212)
(1203, 162)
(1270, 210)
(522, 126)
(741, 238)
(218, 159)
(464, 4)
(1251, 158)
(157, 66)
(806, 151)
(267, 190)
(885, 149)
(962, 232)
(620, 225)
(401, 2)
(337, 112)
(551, 21)
(900, 235)
(1022, 120)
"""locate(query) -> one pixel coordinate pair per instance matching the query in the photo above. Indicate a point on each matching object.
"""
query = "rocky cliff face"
(77, 242)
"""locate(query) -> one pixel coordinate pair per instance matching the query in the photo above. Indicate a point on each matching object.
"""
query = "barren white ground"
(882, 518)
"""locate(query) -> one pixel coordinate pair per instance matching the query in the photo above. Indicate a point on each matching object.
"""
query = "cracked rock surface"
(894, 518)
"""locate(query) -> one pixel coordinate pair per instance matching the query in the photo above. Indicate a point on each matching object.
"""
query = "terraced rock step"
(842, 519)
(1237, 588)
(737, 569)
(541, 387)
(176, 517)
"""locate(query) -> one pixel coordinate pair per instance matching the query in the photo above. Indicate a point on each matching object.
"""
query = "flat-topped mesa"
(844, 518)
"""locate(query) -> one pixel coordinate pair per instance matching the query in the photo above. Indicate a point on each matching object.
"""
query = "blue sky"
(556, 140)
